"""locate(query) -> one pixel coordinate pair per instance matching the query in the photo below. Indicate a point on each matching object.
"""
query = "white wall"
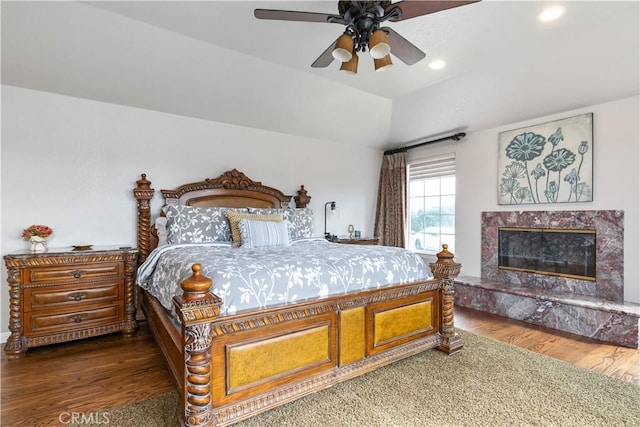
(72, 163)
(616, 181)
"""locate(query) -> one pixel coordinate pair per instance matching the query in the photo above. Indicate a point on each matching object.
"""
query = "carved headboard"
(232, 189)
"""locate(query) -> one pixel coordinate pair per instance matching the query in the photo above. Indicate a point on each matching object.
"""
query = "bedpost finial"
(445, 267)
(143, 183)
(445, 257)
(302, 200)
(196, 285)
(196, 268)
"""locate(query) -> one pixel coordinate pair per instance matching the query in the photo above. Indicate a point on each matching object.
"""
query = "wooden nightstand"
(360, 241)
(62, 295)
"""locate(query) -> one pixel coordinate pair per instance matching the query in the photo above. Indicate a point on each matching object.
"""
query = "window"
(432, 203)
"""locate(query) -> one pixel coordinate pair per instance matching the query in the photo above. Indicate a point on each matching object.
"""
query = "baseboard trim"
(4, 336)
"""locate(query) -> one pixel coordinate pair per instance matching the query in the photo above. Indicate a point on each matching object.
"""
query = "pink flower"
(37, 230)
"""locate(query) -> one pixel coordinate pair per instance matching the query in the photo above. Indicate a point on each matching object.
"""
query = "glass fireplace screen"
(554, 252)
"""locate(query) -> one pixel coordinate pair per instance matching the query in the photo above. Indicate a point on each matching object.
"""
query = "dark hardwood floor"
(608, 359)
(96, 374)
(48, 383)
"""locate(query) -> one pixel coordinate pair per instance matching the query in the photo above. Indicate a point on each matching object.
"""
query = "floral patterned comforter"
(248, 278)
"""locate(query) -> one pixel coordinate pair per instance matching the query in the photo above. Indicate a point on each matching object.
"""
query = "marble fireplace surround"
(590, 308)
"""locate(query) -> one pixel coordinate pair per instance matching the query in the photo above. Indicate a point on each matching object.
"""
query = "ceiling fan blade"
(325, 58)
(402, 48)
(411, 8)
(289, 15)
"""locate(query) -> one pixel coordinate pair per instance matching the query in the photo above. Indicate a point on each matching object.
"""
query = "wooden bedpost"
(143, 194)
(302, 200)
(445, 270)
(197, 307)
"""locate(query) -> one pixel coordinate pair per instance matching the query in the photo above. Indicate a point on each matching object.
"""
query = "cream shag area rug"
(488, 384)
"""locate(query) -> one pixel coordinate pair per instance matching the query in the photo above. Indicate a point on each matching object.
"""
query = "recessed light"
(437, 64)
(551, 13)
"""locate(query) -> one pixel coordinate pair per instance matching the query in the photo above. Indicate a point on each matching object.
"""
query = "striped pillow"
(235, 218)
(263, 234)
(300, 220)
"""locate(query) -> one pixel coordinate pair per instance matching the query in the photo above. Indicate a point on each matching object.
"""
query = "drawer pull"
(77, 273)
(76, 319)
(78, 296)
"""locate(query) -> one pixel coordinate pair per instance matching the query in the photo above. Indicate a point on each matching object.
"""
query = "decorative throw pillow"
(190, 224)
(236, 217)
(300, 220)
(263, 234)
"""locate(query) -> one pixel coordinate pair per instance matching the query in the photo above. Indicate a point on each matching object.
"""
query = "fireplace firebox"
(554, 252)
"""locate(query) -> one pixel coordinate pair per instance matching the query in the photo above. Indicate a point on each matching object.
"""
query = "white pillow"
(300, 220)
(161, 229)
(263, 234)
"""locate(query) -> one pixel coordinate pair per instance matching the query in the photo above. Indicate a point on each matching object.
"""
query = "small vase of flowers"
(37, 236)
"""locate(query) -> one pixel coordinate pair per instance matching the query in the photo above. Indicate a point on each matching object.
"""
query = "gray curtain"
(392, 199)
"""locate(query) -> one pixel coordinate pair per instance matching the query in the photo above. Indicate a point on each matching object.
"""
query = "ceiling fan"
(362, 31)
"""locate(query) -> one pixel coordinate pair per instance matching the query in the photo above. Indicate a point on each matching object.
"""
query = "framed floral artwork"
(547, 163)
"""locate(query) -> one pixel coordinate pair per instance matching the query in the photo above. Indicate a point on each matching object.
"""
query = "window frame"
(430, 168)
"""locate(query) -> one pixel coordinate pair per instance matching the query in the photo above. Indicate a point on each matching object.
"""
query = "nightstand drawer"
(37, 324)
(72, 295)
(73, 272)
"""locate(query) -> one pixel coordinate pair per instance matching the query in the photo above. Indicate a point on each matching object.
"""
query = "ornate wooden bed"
(228, 368)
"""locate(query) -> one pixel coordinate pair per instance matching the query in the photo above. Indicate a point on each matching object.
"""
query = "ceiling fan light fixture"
(379, 44)
(383, 63)
(363, 31)
(344, 47)
(351, 66)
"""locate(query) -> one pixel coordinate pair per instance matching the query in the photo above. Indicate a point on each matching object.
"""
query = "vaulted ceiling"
(213, 60)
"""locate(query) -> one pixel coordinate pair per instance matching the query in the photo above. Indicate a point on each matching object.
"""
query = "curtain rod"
(456, 137)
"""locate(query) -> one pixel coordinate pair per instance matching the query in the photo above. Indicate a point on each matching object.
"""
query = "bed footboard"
(237, 366)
